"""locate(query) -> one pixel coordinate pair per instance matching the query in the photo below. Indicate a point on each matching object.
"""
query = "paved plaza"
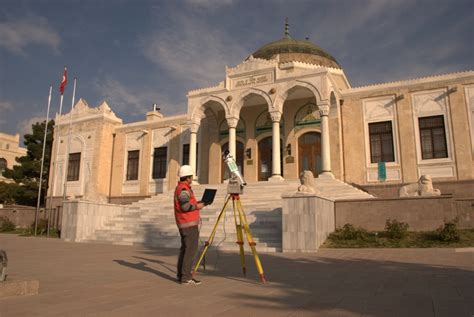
(108, 280)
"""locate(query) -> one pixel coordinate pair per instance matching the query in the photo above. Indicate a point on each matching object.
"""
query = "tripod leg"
(240, 238)
(211, 237)
(252, 244)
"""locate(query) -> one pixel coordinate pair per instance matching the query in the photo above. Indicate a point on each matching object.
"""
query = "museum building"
(288, 107)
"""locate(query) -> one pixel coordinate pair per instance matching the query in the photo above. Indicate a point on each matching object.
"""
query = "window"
(381, 142)
(433, 137)
(186, 154)
(159, 162)
(132, 165)
(73, 167)
(3, 165)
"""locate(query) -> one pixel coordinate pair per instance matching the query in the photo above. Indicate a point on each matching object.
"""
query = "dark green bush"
(348, 232)
(395, 229)
(449, 233)
(6, 225)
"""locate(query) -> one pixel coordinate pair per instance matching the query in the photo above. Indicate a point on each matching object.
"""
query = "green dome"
(296, 50)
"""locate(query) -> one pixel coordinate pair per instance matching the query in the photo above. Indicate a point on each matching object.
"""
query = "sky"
(133, 53)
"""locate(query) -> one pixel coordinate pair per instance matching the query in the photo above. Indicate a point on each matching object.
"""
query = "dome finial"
(287, 29)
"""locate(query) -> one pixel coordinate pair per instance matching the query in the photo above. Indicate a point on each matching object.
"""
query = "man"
(186, 211)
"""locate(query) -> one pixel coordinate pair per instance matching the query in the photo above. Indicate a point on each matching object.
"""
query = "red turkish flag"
(63, 82)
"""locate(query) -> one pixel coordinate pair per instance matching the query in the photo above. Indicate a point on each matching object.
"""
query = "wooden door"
(309, 153)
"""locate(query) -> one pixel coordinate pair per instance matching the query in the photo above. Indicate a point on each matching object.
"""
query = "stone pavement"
(109, 280)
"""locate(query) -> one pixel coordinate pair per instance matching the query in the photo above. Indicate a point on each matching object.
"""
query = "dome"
(290, 50)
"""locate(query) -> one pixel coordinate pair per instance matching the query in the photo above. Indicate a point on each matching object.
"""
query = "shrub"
(41, 228)
(395, 229)
(348, 232)
(449, 233)
(6, 225)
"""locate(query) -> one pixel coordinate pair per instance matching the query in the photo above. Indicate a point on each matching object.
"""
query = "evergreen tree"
(26, 175)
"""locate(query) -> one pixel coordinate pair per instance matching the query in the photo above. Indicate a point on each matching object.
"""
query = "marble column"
(192, 148)
(232, 123)
(276, 159)
(325, 149)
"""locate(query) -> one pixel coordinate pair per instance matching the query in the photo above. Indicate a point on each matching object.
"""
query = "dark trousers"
(189, 246)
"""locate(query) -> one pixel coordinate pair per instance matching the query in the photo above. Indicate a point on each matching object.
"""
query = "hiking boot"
(191, 282)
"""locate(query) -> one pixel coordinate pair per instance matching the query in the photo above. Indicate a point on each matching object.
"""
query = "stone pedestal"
(307, 222)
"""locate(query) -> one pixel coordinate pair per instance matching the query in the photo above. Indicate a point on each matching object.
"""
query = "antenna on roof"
(287, 29)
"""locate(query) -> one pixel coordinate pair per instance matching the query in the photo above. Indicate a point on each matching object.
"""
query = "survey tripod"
(234, 189)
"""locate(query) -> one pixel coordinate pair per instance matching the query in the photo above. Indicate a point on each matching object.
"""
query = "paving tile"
(79, 279)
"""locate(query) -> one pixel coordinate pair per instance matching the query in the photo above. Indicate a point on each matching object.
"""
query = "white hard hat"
(185, 170)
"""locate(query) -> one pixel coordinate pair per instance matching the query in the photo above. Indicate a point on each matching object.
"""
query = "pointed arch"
(237, 107)
(281, 98)
(199, 111)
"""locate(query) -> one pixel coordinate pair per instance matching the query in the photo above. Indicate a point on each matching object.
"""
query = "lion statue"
(307, 183)
(424, 187)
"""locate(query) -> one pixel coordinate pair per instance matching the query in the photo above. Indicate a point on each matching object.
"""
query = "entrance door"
(265, 159)
(239, 148)
(309, 152)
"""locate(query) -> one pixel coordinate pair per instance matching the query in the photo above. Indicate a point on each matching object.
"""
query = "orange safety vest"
(185, 219)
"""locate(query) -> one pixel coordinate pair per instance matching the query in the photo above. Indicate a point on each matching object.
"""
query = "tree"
(26, 175)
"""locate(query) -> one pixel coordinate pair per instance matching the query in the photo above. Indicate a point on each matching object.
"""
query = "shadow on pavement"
(322, 281)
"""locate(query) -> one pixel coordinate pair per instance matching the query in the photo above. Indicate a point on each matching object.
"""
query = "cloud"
(196, 52)
(5, 106)
(16, 35)
(24, 126)
(127, 100)
(209, 4)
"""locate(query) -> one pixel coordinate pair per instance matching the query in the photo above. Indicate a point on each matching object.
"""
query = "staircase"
(151, 222)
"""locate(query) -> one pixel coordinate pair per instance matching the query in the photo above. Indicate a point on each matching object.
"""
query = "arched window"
(307, 115)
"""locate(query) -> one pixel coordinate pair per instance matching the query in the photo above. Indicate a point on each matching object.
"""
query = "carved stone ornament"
(276, 116)
(307, 183)
(232, 122)
(323, 110)
(424, 187)
(194, 127)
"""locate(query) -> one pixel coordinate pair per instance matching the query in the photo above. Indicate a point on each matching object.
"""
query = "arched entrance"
(239, 160)
(265, 159)
(309, 153)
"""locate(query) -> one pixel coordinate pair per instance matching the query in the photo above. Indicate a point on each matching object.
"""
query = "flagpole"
(42, 160)
(56, 148)
(69, 138)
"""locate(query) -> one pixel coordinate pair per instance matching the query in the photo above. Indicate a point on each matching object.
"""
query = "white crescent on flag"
(63, 81)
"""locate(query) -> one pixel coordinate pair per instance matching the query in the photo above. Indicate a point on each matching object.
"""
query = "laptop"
(208, 196)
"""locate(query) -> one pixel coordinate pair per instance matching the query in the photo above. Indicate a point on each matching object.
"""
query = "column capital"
(276, 116)
(193, 127)
(232, 122)
(323, 110)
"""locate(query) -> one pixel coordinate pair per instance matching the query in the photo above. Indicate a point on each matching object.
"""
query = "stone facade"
(10, 149)
(277, 117)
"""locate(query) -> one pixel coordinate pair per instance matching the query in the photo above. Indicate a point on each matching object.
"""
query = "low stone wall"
(307, 221)
(21, 216)
(81, 219)
(421, 213)
(465, 212)
(458, 189)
